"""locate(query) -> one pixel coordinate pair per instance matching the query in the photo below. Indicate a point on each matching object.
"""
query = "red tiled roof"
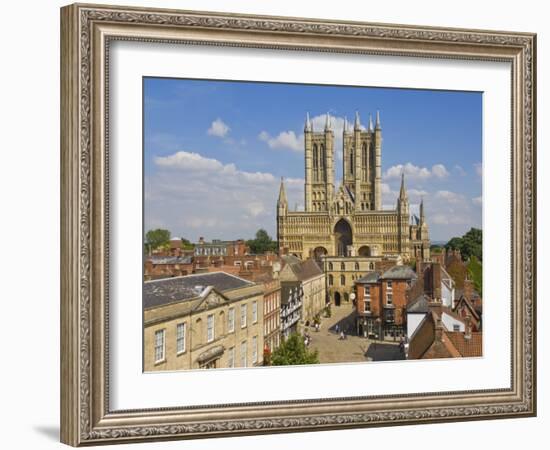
(467, 347)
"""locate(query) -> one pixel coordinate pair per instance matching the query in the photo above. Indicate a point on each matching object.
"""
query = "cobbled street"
(332, 349)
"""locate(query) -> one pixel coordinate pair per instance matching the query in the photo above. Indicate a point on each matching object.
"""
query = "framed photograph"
(281, 224)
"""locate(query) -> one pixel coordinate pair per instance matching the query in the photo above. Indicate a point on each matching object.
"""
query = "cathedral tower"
(319, 162)
(403, 218)
(362, 159)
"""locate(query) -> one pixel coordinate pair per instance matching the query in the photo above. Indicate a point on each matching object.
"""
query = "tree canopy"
(293, 351)
(476, 274)
(469, 245)
(157, 238)
(262, 243)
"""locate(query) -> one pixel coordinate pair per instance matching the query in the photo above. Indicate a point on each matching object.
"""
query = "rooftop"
(370, 277)
(176, 289)
(402, 272)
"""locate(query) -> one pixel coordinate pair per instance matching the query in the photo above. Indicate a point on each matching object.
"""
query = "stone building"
(198, 321)
(341, 273)
(348, 220)
(221, 248)
(303, 281)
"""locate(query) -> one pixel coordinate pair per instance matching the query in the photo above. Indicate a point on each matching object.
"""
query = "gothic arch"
(365, 250)
(343, 236)
(318, 252)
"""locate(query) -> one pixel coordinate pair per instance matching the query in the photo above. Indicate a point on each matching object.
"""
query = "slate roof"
(370, 277)
(399, 273)
(291, 259)
(171, 259)
(176, 289)
(306, 269)
(419, 305)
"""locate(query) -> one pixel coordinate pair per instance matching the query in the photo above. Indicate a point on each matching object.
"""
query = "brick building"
(168, 266)
(382, 301)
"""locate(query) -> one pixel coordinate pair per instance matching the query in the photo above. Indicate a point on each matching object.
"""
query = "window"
(231, 320)
(456, 327)
(367, 306)
(243, 316)
(356, 266)
(367, 292)
(255, 349)
(342, 266)
(210, 328)
(389, 315)
(389, 299)
(243, 354)
(389, 285)
(159, 346)
(231, 357)
(330, 280)
(330, 266)
(180, 338)
(254, 312)
(342, 280)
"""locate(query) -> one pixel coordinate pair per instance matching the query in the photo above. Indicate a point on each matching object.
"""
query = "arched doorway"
(364, 251)
(342, 237)
(319, 252)
(337, 299)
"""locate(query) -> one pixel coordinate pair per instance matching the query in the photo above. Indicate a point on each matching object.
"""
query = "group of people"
(341, 332)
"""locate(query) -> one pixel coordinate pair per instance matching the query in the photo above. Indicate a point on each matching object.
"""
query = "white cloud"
(193, 196)
(477, 200)
(414, 172)
(284, 140)
(440, 171)
(448, 196)
(218, 128)
(478, 168)
(458, 169)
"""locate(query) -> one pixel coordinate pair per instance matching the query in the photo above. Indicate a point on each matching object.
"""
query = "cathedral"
(349, 221)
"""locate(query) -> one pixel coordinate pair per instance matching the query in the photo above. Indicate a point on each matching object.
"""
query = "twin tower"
(362, 165)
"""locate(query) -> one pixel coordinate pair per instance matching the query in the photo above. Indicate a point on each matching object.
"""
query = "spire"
(282, 193)
(307, 126)
(357, 121)
(421, 210)
(402, 192)
(371, 127)
(378, 127)
(327, 124)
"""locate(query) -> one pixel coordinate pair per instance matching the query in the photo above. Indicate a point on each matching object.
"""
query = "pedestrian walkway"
(332, 349)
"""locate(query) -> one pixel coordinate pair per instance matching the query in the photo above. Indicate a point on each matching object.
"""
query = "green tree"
(157, 238)
(262, 243)
(187, 244)
(293, 351)
(475, 271)
(469, 245)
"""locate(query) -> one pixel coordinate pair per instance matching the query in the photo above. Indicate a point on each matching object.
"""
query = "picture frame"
(87, 32)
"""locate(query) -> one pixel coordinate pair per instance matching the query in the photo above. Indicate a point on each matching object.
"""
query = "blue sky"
(214, 151)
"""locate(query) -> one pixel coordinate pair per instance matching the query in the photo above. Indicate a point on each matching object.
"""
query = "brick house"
(382, 301)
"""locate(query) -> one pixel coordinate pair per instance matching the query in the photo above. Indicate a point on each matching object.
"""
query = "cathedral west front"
(348, 220)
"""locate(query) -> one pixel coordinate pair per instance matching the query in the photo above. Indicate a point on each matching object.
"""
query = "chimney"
(467, 327)
(436, 279)
(201, 240)
(435, 307)
(418, 266)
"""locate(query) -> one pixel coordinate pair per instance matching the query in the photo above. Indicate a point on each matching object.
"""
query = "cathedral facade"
(349, 221)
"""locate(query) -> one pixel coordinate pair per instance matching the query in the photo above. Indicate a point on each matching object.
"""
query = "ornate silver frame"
(86, 31)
